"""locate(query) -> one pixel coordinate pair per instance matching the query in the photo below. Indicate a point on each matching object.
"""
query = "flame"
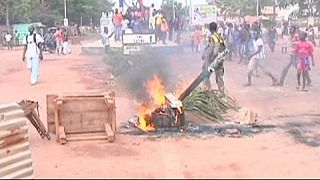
(144, 124)
(156, 90)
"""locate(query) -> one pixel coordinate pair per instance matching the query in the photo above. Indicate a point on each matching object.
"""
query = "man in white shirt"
(33, 54)
(8, 38)
(257, 60)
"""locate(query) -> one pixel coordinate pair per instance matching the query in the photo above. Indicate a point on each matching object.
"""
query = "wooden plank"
(50, 112)
(109, 132)
(56, 118)
(62, 135)
(21, 174)
(102, 137)
(8, 151)
(15, 167)
(114, 121)
(14, 123)
(84, 94)
(86, 122)
(76, 105)
(14, 158)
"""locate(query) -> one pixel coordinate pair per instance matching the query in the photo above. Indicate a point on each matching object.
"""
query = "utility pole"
(257, 8)
(7, 13)
(65, 9)
(190, 18)
(173, 15)
(65, 20)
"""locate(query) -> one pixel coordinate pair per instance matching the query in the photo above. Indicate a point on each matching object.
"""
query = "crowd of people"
(246, 43)
(145, 20)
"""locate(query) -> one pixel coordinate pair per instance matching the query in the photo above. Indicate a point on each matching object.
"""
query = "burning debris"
(167, 110)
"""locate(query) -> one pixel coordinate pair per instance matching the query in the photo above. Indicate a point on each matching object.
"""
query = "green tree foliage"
(52, 11)
(170, 6)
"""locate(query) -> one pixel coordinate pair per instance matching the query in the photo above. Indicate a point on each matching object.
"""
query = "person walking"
(304, 54)
(66, 49)
(117, 18)
(164, 30)
(215, 45)
(16, 38)
(32, 53)
(272, 38)
(59, 40)
(257, 60)
(197, 38)
(294, 38)
(8, 38)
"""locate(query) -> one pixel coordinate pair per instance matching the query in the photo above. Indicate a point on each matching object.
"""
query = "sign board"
(131, 49)
(104, 21)
(139, 39)
(204, 14)
(65, 22)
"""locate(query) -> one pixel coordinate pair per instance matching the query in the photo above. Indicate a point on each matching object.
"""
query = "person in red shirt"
(164, 29)
(59, 40)
(304, 55)
(197, 38)
(117, 19)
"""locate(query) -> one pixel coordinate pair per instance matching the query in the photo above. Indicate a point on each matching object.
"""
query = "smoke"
(139, 69)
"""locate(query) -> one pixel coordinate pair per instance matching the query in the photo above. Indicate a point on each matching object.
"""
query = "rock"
(245, 116)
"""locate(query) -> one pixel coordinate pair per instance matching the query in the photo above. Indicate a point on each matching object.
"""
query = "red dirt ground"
(274, 155)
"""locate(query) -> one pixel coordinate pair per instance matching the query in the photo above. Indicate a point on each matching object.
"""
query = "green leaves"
(209, 104)
(52, 11)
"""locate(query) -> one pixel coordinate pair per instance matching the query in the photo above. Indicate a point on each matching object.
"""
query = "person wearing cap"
(257, 60)
(214, 46)
(32, 53)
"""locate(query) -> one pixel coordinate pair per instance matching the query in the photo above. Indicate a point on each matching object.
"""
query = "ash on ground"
(200, 130)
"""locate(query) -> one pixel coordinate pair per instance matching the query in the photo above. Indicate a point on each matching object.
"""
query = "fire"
(144, 124)
(156, 91)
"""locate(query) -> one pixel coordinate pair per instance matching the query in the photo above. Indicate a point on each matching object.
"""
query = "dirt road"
(290, 151)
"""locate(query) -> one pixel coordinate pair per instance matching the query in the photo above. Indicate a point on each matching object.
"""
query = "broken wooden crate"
(82, 116)
(15, 153)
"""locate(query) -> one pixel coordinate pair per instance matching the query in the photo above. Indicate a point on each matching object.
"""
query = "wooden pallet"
(82, 116)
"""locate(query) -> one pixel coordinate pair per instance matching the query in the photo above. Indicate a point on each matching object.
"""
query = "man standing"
(215, 45)
(8, 38)
(117, 18)
(16, 38)
(59, 40)
(294, 38)
(257, 60)
(33, 54)
(304, 54)
(158, 22)
(311, 35)
(272, 38)
(164, 30)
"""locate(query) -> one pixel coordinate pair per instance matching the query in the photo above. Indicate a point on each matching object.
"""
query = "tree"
(170, 6)
(51, 12)
(242, 7)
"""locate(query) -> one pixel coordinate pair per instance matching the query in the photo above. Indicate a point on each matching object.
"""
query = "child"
(197, 38)
(105, 39)
(192, 40)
